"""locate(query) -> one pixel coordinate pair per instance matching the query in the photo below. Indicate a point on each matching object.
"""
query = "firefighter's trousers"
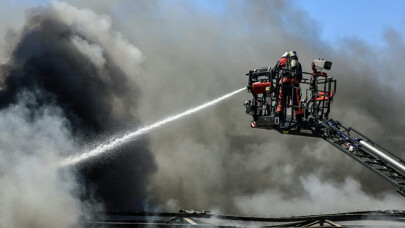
(292, 90)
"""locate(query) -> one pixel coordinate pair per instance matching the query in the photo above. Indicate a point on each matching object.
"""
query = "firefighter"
(290, 72)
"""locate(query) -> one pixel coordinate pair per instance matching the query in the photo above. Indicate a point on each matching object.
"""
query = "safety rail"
(265, 86)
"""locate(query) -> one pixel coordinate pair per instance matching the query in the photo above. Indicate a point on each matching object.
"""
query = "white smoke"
(33, 193)
(319, 197)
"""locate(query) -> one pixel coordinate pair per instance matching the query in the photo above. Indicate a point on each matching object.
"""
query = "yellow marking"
(285, 132)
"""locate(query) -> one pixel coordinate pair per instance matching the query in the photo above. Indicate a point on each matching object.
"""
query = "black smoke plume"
(48, 64)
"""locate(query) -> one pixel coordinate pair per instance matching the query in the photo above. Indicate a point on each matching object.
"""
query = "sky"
(336, 19)
(363, 19)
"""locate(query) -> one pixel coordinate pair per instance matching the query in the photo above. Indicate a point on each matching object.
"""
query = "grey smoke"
(33, 193)
(214, 160)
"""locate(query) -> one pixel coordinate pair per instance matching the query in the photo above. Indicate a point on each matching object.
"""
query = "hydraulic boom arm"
(366, 152)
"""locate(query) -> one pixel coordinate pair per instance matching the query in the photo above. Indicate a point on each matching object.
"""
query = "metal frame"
(196, 219)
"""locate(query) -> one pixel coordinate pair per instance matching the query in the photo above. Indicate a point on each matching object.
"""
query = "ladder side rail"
(394, 163)
(376, 150)
(359, 160)
(355, 141)
(377, 145)
(376, 165)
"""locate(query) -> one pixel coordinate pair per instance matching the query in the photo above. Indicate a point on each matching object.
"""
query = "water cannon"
(323, 64)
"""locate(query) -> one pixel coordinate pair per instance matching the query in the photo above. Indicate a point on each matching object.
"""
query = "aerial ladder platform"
(266, 84)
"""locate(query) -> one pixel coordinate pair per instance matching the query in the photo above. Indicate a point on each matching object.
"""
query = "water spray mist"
(117, 141)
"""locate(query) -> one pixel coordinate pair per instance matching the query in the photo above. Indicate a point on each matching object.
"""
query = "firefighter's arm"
(276, 69)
